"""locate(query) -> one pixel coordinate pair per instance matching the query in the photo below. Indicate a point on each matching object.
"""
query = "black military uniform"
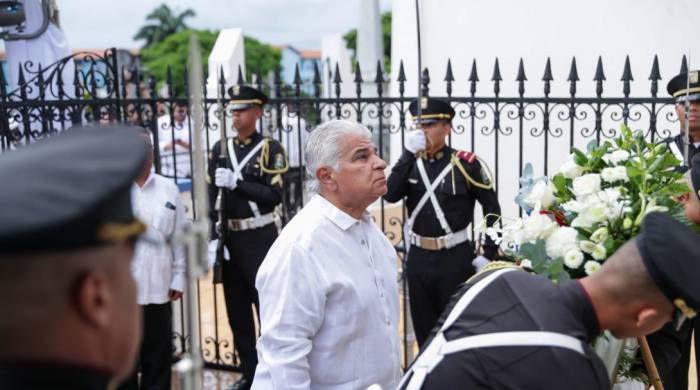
(559, 321)
(682, 89)
(252, 222)
(671, 347)
(68, 192)
(439, 260)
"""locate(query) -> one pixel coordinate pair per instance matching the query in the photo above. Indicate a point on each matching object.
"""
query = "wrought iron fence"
(506, 130)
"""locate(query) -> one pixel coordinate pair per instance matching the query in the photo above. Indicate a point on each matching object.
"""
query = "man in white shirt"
(159, 271)
(174, 143)
(329, 306)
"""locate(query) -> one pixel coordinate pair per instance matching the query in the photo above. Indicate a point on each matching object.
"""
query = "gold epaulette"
(493, 266)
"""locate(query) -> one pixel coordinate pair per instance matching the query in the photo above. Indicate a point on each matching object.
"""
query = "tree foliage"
(173, 51)
(165, 23)
(351, 41)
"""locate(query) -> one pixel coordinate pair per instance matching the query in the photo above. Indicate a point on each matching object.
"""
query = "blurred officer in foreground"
(441, 186)
(69, 314)
(508, 329)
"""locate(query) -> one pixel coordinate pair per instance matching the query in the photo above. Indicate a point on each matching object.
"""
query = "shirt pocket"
(164, 221)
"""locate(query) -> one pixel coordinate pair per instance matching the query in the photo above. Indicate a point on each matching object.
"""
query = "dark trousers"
(156, 355)
(293, 193)
(248, 249)
(433, 277)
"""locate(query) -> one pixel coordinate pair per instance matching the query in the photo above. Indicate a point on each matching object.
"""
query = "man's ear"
(647, 316)
(326, 177)
(93, 297)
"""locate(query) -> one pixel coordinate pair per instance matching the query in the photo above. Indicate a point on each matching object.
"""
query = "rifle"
(195, 237)
(222, 162)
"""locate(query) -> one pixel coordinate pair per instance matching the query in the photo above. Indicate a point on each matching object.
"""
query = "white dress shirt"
(168, 133)
(329, 306)
(157, 267)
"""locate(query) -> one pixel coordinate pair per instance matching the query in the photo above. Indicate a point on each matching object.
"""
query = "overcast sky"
(91, 24)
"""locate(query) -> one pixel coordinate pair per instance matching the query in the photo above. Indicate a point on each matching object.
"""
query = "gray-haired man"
(328, 299)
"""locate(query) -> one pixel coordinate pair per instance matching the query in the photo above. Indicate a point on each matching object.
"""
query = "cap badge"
(236, 90)
(693, 76)
(423, 103)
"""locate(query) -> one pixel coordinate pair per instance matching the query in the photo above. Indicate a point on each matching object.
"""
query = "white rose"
(586, 184)
(590, 215)
(570, 169)
(537, 226)
(525, 263)
(616, 157)
(591, 267)
(561, 241)
(608, 175)
(620, 173)
(541, 192)
(573, 258)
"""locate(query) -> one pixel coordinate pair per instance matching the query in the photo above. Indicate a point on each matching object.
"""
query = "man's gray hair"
(323, 147)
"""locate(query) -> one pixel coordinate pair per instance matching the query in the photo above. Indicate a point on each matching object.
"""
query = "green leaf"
(534, 252)
(579, 158)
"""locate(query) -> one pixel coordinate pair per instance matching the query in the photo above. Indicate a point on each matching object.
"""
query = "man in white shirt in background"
(174, 140)
(329, 307)
(159, 271)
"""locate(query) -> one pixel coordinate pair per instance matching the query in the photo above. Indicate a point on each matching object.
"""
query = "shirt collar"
(586, 311)
(339, 217)
(151, 177)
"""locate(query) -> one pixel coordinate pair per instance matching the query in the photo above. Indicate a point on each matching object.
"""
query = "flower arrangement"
(595, 203)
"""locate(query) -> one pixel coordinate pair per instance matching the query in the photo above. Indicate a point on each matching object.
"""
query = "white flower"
(570, 169)
(614, 174)
(537, 226)
(616, 157)
(599, 253)
(525, 263)
(573, 258)
(600, 235)
(591, 266)
(541, 192)
(561, 241)
(608, 175)
(586, 184)
(587, 246)
(592, 213)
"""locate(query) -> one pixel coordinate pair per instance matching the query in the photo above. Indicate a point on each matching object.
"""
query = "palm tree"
(166, 23)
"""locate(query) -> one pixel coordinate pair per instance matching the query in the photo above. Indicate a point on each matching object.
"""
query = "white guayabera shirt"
(329, 305)
(157, 267)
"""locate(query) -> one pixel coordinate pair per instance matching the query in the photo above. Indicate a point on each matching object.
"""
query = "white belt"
(447, 241)
(237, 225)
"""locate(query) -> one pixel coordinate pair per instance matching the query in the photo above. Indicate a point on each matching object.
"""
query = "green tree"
(173, 51)
(166, 23)
(351, 40)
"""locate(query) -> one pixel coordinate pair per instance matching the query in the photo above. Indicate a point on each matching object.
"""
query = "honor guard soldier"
(69, 314)
(685, 89)
(252, 184)
(508, 329)
(441, 186)
(671, 347)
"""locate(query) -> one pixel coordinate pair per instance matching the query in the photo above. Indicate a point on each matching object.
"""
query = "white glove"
(211, 252)
(225, 178)
(480, 262)
(415, 141)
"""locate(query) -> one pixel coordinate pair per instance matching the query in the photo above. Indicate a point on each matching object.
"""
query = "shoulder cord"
(457, 161)
(265, 157)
